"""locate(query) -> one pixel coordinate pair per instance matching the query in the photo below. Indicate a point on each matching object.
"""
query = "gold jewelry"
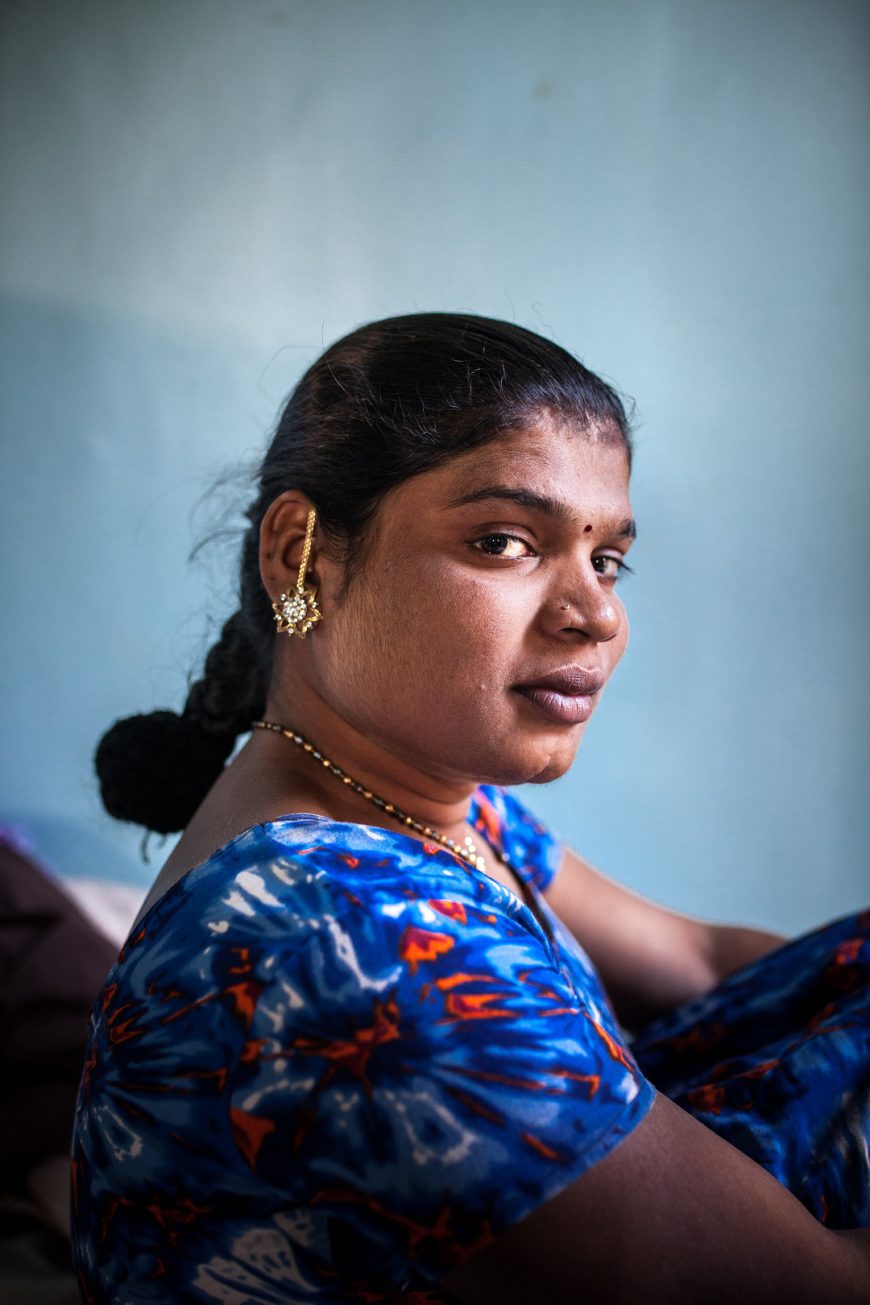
(468, 852)
(296, 612)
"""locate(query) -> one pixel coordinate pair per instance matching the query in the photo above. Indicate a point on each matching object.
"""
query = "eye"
(618, 567)
(502, 545)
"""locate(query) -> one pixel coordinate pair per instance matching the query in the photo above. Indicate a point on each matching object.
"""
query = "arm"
(650, 958)
(732, 946)
(673, 1214)
(490, 1130)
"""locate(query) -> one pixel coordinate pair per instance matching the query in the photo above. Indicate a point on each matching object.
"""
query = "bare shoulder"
(675, 1214)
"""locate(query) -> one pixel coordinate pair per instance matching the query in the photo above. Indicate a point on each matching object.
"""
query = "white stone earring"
(296, 612)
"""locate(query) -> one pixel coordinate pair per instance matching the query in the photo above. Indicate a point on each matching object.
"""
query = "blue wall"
(200, 196)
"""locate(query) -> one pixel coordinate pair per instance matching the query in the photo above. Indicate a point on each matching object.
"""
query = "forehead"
(587, 471)
(575, 456)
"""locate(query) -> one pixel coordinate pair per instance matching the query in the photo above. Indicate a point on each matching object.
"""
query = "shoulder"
(294, 886)
(315, 901)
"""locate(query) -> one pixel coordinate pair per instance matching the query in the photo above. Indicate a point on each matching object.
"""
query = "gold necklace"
(468, 852)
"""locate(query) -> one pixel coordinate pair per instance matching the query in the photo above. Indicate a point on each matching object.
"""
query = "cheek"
(466, 628)
(361, 641)
(422, 635)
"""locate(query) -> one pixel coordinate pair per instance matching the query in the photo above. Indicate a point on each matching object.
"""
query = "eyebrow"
(551, 507)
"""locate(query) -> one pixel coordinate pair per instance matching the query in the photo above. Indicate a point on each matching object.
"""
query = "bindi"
(586, 530)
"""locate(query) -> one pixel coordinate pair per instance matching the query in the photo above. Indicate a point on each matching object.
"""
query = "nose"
(589, 608)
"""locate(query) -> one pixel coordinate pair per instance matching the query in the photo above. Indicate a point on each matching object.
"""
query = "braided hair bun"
(154, 770)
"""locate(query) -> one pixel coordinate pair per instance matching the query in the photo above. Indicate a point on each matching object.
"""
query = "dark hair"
(392, 399)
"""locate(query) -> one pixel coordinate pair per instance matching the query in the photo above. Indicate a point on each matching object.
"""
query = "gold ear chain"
(297, 612)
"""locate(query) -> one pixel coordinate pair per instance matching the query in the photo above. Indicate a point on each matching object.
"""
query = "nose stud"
(608, 615)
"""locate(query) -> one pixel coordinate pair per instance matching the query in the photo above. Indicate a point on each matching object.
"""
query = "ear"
(282, 538)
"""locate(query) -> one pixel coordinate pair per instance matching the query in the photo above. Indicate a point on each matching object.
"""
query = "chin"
(539, 764)
(555, 768)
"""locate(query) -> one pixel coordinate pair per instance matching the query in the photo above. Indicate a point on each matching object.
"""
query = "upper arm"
(649, 958)
(673, 1213)
(440, 1078)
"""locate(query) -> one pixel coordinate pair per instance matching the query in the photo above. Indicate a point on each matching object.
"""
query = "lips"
(569, 679)
(564, 696)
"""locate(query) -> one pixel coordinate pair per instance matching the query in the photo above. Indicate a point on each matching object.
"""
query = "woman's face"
(497, 570)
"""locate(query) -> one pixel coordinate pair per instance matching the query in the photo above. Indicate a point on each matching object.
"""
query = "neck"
(436, 800)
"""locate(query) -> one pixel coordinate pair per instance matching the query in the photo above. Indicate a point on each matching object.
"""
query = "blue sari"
(776, 1059)
(332, 1062)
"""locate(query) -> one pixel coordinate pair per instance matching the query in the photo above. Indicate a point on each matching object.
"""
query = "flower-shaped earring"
(296, 612)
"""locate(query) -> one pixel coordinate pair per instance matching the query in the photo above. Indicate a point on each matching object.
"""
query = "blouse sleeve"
(529, 844)
(435, 1078)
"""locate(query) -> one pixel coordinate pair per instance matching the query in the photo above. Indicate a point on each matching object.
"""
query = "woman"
(367, 1038)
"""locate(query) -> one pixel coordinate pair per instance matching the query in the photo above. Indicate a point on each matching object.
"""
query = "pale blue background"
(200, 196)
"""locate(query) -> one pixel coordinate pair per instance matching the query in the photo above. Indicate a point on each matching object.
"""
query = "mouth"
(565, 697)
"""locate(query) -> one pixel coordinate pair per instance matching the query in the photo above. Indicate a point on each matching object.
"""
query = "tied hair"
(156, 769)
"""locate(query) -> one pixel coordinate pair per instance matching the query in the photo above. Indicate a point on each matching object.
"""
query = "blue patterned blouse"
(332, 1063)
